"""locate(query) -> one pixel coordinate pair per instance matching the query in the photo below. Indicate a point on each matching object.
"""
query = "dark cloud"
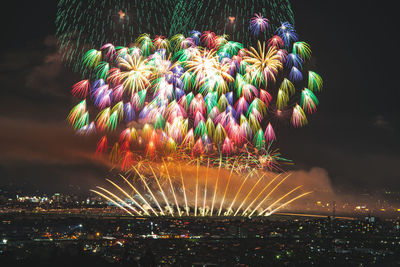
(51, 143)
(49, 76)
(39, 150)
(50, 41)
(381, 122)
(48, 157)
(35, 83)
(45, 77)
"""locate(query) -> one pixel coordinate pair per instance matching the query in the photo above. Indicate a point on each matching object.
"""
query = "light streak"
(216, 186)
(120, 200)
(270, 192)
(226, 189)
(127, 195)
(249, 193)
(162, 192)
(147, 187)
(137, 192)
(184, 191)
(197, 185)
(284, 196)
(172, 188)
(237, 193)
(109, 199)
(290, 201)
(205, 189)
(259, 194)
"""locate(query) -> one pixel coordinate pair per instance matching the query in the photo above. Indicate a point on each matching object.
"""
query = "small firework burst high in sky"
(197, 99)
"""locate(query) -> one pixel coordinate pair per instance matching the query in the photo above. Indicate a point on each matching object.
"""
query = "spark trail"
(264, 200)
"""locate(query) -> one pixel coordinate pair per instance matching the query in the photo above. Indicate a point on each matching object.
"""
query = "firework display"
(226, 18)
(92, 23)
(196, 96)
(170, 190)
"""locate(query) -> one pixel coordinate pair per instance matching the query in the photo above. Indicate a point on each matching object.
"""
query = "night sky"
(354, 135)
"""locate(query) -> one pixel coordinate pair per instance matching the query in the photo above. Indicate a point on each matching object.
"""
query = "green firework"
(92, 23)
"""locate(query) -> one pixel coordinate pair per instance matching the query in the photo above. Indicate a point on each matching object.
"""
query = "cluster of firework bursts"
(197, 97)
